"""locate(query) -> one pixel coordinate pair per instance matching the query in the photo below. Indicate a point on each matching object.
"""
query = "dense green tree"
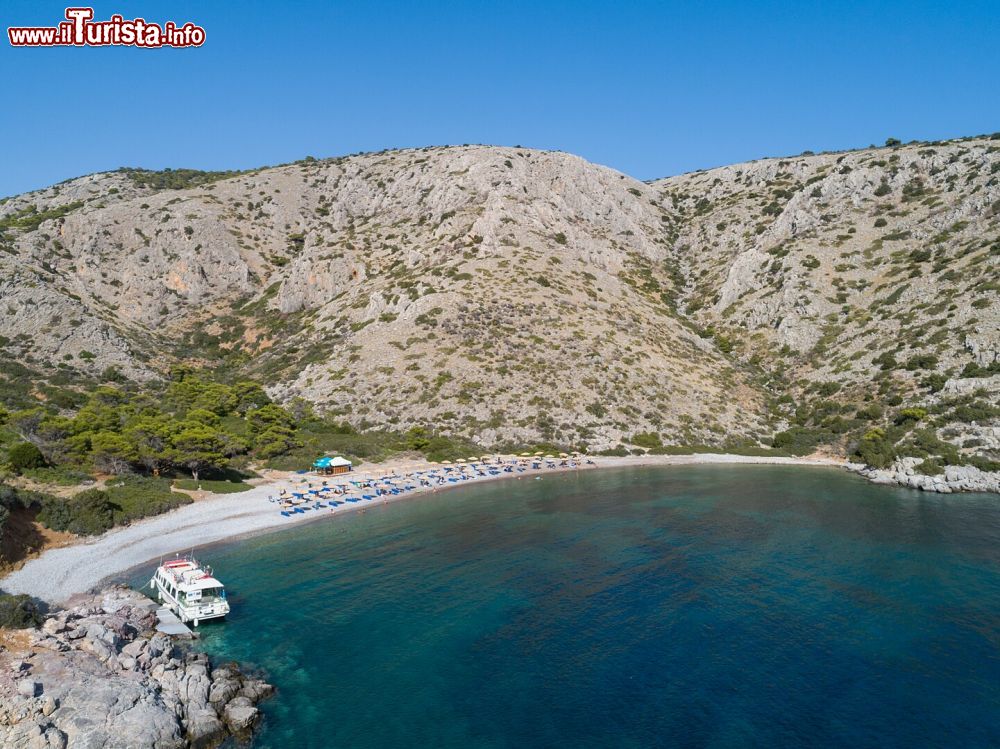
(203, 416)
(96, 416)
(275, 440)
(109, 396)
(250, 396)
(150, 435)
(191, 422)
(195, 393)
(233, 444)
(112, 452)
(198, 448)
(267, 417)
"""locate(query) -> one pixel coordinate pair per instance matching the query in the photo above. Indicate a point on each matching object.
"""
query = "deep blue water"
(701, 606)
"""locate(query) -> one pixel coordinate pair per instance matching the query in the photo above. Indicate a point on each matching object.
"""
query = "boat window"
(212, 593)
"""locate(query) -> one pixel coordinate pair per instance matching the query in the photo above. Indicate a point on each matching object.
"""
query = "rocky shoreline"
(954, 479)
(98, 674)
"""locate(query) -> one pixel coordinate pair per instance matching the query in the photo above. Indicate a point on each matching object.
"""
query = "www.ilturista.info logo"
(80, 30)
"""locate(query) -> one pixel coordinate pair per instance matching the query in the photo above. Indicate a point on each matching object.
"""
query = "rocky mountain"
(868, 277)
(511, 295)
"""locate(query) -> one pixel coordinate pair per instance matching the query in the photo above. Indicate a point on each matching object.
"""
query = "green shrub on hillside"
(89, 513)
(19, 612)
(929, 467)
(94, 511)
(24, 456)
(646, 439)
(872, 412)
(174, 179)
(886, 361)
(978, 411)
(934, 382)
(801, 440)
(910, 415)
(921, 361)
(876, 449)
(975, 370)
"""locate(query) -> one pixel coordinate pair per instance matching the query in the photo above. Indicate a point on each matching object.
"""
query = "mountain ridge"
(512, 295)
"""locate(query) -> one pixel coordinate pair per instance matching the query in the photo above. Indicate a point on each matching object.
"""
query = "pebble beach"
(58, 574)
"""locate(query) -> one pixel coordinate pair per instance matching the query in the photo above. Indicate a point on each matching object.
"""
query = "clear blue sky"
(650, 88)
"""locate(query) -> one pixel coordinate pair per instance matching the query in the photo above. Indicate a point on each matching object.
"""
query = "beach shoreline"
(60, 573)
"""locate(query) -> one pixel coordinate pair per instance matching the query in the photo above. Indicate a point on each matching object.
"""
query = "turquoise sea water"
(697, 606)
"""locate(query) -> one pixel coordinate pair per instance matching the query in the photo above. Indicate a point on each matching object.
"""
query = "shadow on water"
(682, 606)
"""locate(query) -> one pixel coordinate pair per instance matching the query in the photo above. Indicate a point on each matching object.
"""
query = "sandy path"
(60, 573)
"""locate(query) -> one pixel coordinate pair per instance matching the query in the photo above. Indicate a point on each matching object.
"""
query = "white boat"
(190, 590)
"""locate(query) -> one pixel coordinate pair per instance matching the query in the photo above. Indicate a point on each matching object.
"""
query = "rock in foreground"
(99, 675)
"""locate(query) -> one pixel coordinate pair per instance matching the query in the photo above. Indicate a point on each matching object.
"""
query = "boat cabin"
(190, 590)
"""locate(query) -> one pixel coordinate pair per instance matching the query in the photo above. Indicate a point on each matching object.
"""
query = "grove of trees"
(193, 424)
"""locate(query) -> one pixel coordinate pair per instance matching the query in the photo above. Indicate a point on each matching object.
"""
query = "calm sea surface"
(696, 606)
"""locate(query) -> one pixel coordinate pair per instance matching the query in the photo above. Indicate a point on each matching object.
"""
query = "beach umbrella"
(485, 457)
(539, 454)
(446, 462)
(473, 459)
(563, 455)
(460, 460)
(525, 455)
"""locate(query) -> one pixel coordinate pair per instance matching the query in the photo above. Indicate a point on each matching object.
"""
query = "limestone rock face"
(119, 686)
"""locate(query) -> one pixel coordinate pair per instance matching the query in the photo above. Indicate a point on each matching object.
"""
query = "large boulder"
(241, 716)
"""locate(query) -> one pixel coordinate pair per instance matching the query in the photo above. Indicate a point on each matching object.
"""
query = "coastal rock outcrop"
(99, 675)
(953, 478)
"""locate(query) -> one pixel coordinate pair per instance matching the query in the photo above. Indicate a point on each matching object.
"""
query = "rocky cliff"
(97, 675)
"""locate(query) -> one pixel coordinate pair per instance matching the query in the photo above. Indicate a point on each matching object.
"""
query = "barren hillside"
(868, 277)
(510, 295)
